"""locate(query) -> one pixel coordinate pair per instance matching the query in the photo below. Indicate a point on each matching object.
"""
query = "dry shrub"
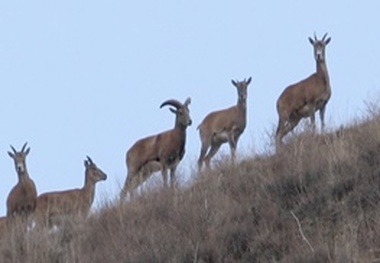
(315, 201)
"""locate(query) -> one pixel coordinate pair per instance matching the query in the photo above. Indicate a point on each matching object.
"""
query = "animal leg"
(131, 182)
(201, 159)
(322, 117)
(293, 122)
(214, 149)
(280, 133)
(124, 191)
(164, 172)
(173, 181)
(285, 128)
(232, 141)
(312, 120)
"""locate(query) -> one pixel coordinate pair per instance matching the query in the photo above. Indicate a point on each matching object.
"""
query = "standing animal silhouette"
(21, 201)
(223, 126)
(75, 203)
(305, 98)
(158, 152)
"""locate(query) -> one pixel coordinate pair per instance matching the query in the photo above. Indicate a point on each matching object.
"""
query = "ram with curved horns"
(158, 152)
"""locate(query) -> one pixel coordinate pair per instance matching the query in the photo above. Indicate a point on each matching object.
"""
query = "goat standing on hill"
(73, 203)
(224, 126)
(303, 99)
(158, 152)
(21, 201)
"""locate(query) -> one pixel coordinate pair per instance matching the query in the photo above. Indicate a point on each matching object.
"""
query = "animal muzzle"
(319, 55)
(20, 168)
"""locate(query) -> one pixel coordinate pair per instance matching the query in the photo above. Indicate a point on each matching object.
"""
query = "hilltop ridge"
(316, 201)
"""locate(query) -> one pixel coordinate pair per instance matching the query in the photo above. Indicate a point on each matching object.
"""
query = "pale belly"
(220, 137)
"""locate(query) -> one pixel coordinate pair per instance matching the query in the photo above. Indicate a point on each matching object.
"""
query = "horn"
(13, 149)
(23, 147)
(89, 159)
(174, 103)
(315, 36)
(323, 38)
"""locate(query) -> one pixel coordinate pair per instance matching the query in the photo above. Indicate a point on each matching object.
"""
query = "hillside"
(316, 201)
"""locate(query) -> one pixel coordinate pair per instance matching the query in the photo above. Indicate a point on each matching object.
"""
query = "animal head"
(242, 87)
(319, 46)
(93, 173)
(19, 158)
(181, 111)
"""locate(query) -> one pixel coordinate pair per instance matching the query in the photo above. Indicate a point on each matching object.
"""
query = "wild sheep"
(223, 126)
(75, 202)
(303, 99)
(158, 152)
(21, 201)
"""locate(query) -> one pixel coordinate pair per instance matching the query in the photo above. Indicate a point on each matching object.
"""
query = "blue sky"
(87, 77)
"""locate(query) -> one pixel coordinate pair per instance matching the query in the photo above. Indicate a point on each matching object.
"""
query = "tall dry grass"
(315, 201)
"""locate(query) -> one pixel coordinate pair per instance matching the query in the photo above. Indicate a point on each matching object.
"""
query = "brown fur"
(224, 126)
(303, 99)
(3, 225)
(74, 202)
(158, 152)
(21, 200)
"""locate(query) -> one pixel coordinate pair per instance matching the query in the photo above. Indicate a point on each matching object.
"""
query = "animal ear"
(234, 83)
(11, 154)
(173, 110)
(27, 151)
(86, 163)
(187, 102)
(311, 41)
(249, 80)
(13, 149)
(327, 41)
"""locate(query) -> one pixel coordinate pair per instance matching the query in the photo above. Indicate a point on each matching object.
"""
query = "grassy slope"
(316, 201)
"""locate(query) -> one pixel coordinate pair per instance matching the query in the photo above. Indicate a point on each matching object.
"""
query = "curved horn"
(13, 149)
(23, 147)
(174, 103)
(323, 38)
(89, 159)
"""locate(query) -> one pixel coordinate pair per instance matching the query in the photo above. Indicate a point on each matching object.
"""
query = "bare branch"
(301, 232)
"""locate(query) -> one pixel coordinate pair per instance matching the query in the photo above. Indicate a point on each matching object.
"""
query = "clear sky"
(84, 78)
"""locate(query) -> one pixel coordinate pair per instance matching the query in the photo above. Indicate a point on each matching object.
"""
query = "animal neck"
(180, 138)
(242, 106)
(181, 131)
(180, 126)
(89, 188)
(323, 73)
(23, 176)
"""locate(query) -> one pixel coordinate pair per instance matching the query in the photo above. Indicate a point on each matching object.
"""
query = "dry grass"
(316, 201)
